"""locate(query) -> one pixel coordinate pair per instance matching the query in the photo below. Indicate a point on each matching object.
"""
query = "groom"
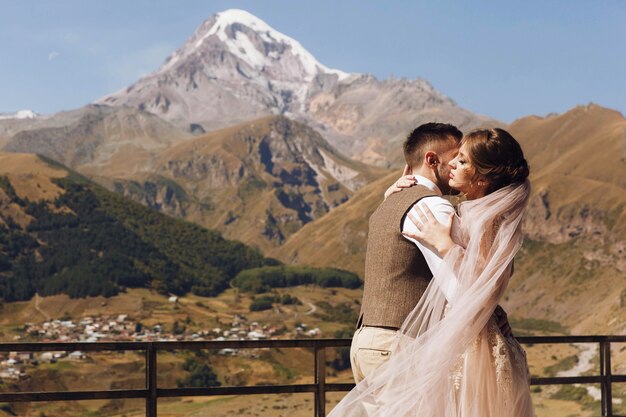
(397, 268)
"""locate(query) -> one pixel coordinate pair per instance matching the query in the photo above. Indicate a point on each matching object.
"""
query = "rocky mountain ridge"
(212, 179)
(236, 67)
(274, 174)
(108, 140)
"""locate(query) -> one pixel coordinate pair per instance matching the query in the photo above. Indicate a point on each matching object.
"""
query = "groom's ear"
(431, 159)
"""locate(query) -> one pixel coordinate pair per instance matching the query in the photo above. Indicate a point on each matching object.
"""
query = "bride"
(450, 358)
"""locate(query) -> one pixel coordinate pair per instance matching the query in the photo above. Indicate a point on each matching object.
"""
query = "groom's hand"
(407, 180)
(503, 321)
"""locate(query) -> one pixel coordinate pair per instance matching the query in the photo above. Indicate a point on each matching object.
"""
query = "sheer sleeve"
(487, 241)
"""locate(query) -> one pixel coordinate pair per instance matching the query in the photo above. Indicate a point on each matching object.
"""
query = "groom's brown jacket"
(396, 273)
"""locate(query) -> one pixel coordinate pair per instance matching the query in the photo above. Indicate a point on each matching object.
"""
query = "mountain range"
(237, 68)
(242, 130)
(258, 181)
(61, 233)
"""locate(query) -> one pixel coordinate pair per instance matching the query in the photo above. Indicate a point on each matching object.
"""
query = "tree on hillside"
(200, 375)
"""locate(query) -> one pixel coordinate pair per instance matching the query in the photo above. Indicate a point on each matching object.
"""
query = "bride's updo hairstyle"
(497, 157)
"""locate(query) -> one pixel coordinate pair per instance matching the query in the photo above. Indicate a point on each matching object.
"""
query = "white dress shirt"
(441, 209)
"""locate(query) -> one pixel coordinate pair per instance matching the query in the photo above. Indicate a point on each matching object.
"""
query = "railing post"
(320, 381)
(607, 376)
(603, 379)
(151, 380)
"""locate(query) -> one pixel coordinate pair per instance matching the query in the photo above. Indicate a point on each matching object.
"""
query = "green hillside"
(88, 241)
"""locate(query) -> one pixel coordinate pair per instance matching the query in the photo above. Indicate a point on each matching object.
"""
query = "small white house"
(255, 335)
(77, 355)
(313, 332)
(11, 373)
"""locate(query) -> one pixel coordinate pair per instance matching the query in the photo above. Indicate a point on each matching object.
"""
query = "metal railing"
(606, 377)
(151, 392)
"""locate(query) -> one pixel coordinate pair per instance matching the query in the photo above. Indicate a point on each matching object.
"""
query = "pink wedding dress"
(450, 358)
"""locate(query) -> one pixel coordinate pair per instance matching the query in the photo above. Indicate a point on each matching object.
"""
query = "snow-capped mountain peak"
(244, 49)
(236, 68)
(233, 68)
(254, 42)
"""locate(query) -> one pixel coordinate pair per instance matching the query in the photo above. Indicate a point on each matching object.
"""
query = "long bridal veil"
(446, 362)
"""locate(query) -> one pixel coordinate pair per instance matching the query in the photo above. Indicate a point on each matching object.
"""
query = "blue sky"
(502, 59)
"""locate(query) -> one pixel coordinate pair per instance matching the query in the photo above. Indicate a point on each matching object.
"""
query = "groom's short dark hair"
(427, 136)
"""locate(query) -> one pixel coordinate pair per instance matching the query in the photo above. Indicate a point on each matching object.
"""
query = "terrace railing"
(151, 392)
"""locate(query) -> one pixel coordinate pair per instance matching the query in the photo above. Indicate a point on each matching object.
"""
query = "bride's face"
(463, 176)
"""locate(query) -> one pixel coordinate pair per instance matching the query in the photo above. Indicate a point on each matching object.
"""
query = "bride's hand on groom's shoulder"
(407, 180)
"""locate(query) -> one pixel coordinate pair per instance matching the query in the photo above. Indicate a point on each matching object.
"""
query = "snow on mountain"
(234, 68)
(22, 114)
(240, 44)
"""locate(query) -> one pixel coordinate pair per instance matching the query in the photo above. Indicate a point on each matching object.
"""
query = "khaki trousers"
(371, 347)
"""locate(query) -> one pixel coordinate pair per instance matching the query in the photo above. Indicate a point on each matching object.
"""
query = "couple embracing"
(431, 339)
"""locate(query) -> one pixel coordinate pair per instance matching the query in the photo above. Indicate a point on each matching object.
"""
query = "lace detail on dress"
(508, 355)
(509, 359)
(501, 358)
(457, 372)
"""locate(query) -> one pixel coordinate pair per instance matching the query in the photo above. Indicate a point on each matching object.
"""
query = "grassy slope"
(107, 233)
(585, 142)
